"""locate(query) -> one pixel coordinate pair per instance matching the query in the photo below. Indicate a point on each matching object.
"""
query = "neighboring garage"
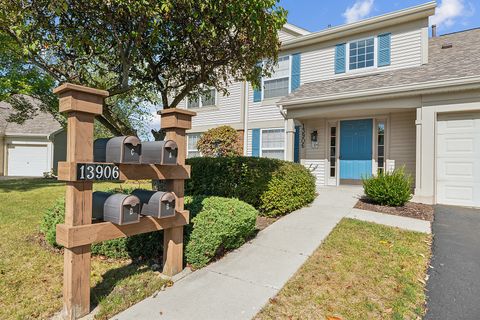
(458, 159)
(32, 148)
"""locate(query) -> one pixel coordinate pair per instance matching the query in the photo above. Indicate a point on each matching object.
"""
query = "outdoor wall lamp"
(314, 136)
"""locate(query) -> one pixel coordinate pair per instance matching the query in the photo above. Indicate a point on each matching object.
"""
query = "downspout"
(245, 118)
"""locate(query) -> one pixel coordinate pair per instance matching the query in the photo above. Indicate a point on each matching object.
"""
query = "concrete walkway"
(391, 220)
(240, 284)
(453, 288)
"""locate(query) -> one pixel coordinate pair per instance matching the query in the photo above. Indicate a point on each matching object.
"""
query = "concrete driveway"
(454, 283)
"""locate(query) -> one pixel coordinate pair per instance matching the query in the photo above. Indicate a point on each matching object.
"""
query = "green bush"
(272, 186)
(221, 141)
(290, 188)
(221, 224)
(392, 189)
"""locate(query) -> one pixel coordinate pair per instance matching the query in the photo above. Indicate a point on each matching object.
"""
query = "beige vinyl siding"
(317, 168)
(263, 110)
(320, 152)
(227, 110)
(249, 143)
(402, 141)
(406, 51)
(284, 35)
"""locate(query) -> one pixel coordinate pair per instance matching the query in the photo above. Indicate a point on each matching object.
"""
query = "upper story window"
(207, 99)
(362, 54)
(278, 84)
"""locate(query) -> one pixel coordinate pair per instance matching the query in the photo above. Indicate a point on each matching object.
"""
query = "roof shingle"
(42, 123)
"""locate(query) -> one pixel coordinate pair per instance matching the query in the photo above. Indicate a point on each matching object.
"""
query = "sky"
(315, 15)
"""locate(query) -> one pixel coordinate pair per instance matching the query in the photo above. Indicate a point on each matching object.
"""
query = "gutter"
(245, 118)
(430, 87)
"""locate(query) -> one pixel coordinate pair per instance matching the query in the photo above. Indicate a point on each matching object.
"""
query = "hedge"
(220, 225)
(272, 186)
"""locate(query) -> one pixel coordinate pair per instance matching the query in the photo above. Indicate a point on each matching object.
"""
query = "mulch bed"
(263, 222)
(410, 210)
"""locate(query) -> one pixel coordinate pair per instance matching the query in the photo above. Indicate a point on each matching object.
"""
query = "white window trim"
(200, 101)
(273, 149)
(375, 56)
(188, 138)
(275, 78)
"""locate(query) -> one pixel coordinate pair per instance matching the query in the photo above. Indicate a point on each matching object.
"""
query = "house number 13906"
(94, 171)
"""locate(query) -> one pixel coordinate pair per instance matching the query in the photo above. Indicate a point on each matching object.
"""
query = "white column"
(290, 140)
(425, 157)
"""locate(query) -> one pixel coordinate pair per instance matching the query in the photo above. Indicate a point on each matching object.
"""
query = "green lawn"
(362, 271)
(31, 273)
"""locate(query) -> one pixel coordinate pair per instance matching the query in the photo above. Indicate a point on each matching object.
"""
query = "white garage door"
(27, 160)
(458, 159)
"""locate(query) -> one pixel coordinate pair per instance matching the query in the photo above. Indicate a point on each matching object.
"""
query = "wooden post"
(175, 122)
(81, 104)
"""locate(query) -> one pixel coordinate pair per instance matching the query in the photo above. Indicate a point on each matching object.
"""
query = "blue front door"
(356, 149)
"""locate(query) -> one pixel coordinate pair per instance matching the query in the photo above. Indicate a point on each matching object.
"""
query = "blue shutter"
(384, 44)
(340, 58)
(256, 143)
(257, 92)
(296, 147)
(295, 80)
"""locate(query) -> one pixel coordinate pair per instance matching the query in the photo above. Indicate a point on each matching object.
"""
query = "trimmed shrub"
(290, 188)
(220, 142)
(392, 189)
(272, 186)
(221, 224)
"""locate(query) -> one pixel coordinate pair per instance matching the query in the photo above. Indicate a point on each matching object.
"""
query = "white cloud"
(360, 10)
(449, 11)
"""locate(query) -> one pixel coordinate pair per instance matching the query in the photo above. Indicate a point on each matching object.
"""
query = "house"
(31, 148)
(373, 95)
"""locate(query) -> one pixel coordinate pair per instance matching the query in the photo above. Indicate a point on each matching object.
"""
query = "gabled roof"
(447, 68)
(422, 11)
(295, 29)
(42, 123)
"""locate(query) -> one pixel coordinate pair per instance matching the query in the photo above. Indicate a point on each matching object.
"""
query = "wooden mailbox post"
(82, 104)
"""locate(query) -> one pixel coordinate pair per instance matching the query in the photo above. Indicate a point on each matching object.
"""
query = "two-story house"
(373, 95)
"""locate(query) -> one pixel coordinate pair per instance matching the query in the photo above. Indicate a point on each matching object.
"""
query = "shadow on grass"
(110, 280)
(16, 185)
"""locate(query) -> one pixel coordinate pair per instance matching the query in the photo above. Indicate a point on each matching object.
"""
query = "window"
(362, 54)
(207, 99)
(192, 150)
(278, 85)
(381, 146)
(333, 151)
(273, 143)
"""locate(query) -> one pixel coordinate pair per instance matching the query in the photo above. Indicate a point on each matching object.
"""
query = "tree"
(222, 141)
(155, 51)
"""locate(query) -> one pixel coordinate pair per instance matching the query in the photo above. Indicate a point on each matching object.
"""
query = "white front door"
(458, 159)
(27, 160)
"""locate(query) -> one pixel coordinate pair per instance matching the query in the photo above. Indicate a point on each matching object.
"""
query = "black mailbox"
(159, 152)
(100, 150)
(117, 208)
(156, 204)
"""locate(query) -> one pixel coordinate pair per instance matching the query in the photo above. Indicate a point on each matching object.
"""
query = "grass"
(362, 271)
(31, 273)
